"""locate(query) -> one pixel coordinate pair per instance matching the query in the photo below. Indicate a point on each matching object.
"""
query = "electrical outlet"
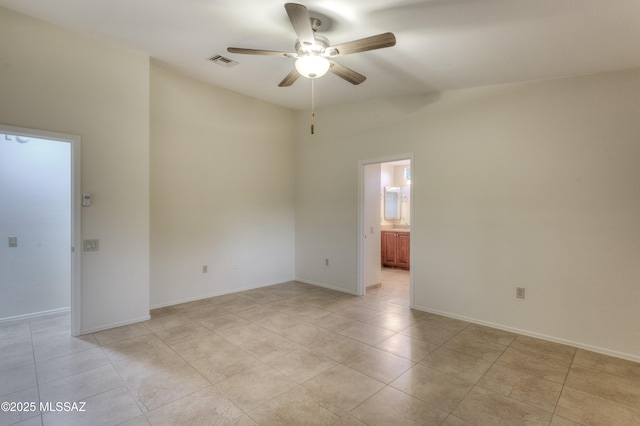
(326, 262)
(520, 292)
(13, 241)
(205, 269)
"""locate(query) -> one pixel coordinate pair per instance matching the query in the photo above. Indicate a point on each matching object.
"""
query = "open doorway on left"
(38, 263)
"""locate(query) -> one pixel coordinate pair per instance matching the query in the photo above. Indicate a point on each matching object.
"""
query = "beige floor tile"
(429, 333)
(208, 406)
(166, 321)
(297, 328)
(17, 379)
(562, 353)
(393, 407)
(433, 387)
(140, 420)
(33, 421)
(365, 333)
(256, 386)
(589, 410)
(245, 333)
(333, 322)
(222, 322)
(193, 349)
(489, 334)
(220, 365)
(608, 364)
(174, 335)
(206, 311)
(379, 364)
(294, 407)
(27, 396)
(64, 346)
(183, 308)
(404, 311)
(126, 332)
(163, 386)
(483, 407)
(16, 355)
(108, 408)
(457, 364)
(341, 389)
(447, 323)
(349, 420)
(625, 390)
(535, 364)
(342, 349)
(301, 364)
(406, 347)
(355, 312)
(70, 365)
(311, 336)
(133, 347)
(278, 321)
(477, 347)
(81, 386)
(14, 332)
(391, 322)
(522, 387)
(148, 364)
(560, 421)
(456, 421)
(269, 346)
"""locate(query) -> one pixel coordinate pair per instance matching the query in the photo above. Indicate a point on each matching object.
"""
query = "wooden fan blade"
(289, 79)
(362, 45)
(299, 17)
(259, 52)
(346, 73)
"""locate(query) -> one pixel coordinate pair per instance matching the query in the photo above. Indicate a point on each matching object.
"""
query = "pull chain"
(313, 111)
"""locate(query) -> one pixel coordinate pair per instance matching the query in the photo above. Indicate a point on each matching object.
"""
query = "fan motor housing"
(321, 44)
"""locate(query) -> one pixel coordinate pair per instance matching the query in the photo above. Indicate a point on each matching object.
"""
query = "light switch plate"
(90, 245)
(13, 241)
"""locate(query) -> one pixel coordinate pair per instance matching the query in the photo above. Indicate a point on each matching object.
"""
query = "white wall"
(222, 190)
(56, 80)
(35, 179)
(532, 185)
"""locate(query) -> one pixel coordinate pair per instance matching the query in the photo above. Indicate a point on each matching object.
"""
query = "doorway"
(394, 174)
(40, 215)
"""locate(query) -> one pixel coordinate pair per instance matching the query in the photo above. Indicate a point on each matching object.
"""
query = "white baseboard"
(214, 294)
(35, 314)
(575, 344)
(330, 287)
(114, 325)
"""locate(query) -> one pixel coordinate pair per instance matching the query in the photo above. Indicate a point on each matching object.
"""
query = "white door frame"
(76, 244)
(360, 290)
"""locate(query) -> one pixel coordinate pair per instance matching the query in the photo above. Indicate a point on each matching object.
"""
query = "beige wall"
(530, 185)
(222, 191)
(56, 80)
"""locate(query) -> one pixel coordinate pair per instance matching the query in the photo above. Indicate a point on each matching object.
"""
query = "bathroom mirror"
(392, 202)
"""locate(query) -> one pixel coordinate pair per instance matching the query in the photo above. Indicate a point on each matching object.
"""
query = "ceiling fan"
(314, 54)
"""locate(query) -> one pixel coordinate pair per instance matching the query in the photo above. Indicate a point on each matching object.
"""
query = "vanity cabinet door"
(389, 248)
(395, 249)
(402, 250)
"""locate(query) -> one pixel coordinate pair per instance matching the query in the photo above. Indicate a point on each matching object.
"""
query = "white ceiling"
(441, 44)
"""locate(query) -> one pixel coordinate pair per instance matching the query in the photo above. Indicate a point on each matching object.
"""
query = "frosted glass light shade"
(312, 66)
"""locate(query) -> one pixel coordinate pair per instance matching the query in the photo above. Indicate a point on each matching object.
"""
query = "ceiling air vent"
(221, 60)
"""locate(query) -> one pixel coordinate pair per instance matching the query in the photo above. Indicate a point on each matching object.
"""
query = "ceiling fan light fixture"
(312, 66)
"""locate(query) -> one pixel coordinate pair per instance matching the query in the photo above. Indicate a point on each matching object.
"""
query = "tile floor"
(295, 354)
